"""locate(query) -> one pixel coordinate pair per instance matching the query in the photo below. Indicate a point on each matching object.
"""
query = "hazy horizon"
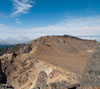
(23, 40)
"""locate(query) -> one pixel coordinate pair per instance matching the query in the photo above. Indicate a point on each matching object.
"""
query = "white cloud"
(22, 6)
(84, 26)
(2, 27)
(75, 26)
(12, 40)
(18, 21)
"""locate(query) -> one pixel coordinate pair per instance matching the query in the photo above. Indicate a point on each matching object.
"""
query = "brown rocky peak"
(50, 62)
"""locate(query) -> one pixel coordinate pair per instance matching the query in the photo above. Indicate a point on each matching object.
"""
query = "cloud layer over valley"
(83, 26)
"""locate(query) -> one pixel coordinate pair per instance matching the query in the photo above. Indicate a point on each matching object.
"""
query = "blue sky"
(20, 19)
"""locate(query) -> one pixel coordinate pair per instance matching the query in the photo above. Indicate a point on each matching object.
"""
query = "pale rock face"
(56, 75)
(91, 75)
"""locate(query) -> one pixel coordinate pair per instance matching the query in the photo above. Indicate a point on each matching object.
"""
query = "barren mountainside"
(64, 51)
(48, 62)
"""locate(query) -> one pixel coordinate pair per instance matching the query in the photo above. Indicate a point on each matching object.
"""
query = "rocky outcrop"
(3, 78)
(42, 83)
(91, 75)
(62, 85)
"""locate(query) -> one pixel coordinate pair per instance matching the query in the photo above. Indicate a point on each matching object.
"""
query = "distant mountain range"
(5, 46)
(7, 49)
(23, 40)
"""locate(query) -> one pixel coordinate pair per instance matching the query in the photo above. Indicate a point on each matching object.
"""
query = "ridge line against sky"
(28, 19)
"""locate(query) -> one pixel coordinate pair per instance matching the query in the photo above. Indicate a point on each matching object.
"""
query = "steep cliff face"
(3, 79)
(48, 62)
(91, 75)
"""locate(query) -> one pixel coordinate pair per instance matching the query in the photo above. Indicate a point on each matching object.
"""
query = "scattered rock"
(5, 86)
(42, 83)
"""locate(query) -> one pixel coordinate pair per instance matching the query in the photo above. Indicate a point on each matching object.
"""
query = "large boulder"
(62, 85)
(91, 75)
(42, 83)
